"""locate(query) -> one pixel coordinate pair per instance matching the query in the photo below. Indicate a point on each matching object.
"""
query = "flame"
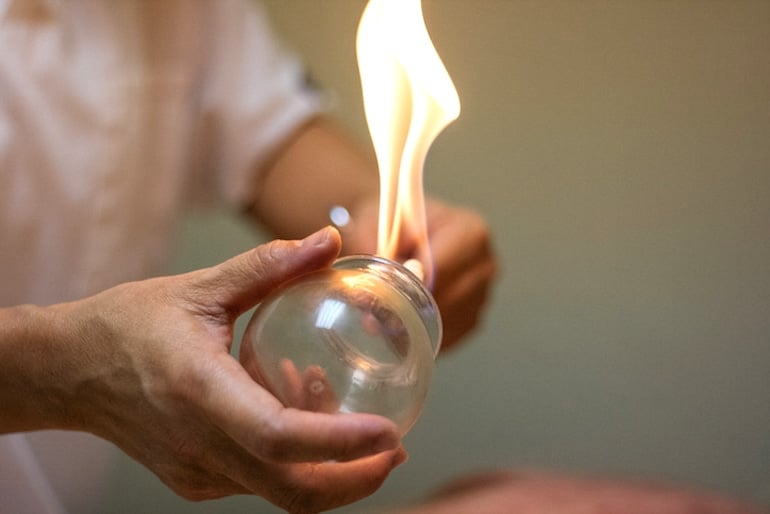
(409, 99)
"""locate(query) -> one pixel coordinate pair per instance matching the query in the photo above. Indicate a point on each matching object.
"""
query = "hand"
(463, 260)
(148, 366)
(465, 267)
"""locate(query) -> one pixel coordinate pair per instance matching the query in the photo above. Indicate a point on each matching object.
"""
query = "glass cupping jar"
(360, 336)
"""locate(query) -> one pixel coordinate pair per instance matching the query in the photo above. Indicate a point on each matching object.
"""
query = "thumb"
(237, 284)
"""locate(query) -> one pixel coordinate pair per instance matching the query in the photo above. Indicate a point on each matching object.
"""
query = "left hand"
(464, 262)
(147, 365)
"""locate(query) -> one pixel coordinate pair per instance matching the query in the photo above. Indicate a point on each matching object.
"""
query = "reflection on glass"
(359, 337)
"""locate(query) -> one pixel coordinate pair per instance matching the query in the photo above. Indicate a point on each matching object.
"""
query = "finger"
(324, 486)
(198, 484)
(309, 390)
(258, 422)
(461, 307)
(239, 283)
(318, 393)
(456, 252)
(469, 288)
(293, 383)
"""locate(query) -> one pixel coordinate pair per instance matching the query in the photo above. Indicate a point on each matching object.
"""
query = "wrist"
(34, 387)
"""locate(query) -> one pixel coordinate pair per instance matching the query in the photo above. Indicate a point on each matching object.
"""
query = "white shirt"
(114, 115)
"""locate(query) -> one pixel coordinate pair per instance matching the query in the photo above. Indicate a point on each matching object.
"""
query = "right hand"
(147, 365)
(462, 255)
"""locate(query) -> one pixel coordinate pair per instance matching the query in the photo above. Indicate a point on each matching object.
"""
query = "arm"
(321, 167)
(31, 397)
(147, 366)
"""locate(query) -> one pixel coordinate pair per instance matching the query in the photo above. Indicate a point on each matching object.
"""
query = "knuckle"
(266, 256)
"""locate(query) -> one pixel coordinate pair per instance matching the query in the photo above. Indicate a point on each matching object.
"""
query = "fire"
(409, 99)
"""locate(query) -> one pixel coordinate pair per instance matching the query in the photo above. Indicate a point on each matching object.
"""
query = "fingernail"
(318, 238)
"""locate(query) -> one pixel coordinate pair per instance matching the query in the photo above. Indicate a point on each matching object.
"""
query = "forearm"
(319, 167)
(32, 390)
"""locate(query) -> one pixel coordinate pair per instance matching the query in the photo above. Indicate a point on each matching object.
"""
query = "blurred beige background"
(621, 153)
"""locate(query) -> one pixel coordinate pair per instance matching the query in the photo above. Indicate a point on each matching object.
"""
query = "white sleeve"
(256, 94)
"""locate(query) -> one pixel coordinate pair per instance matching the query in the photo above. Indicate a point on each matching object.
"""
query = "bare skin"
(147, 366)
(532, 492)
(462, 255)
(321, 167)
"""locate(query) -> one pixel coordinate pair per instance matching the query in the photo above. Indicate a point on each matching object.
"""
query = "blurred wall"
(621, 153)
